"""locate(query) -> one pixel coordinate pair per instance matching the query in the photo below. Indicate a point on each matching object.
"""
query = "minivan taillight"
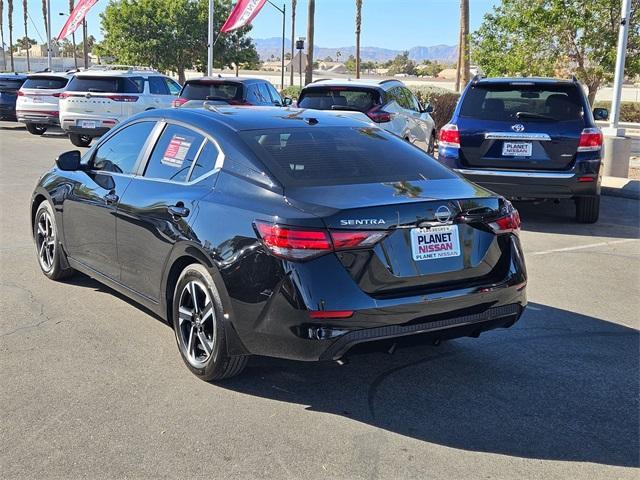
(20, 93)
(590, 140)
(378, 115)
(294, 243)
(449, 136)
(178, 102)
(64, 95)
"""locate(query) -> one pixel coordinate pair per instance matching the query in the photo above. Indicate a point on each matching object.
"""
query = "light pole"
(623, 35)
(210, 50)
(73, 41)
(300, 48)
(49, 34)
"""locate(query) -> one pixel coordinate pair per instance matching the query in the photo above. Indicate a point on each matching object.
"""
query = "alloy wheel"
(46, 241)
(196, 323)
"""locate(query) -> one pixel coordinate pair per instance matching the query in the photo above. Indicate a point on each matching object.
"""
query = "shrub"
(629, 111)
(442, 100)
(292, 91)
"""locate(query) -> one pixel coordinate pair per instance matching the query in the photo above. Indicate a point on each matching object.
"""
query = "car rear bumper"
(40, 118)
(70, 124)
(283, 327)
(92, 132)
(534, 184)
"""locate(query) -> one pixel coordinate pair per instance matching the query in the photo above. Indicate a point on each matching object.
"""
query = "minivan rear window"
(340, 156)
(106, 84)
(217, 90)
(533, 102)
(45, 83)
(338, 98)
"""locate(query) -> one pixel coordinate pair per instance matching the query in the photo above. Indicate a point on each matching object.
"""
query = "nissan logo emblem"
(443, 214)
(518, 127)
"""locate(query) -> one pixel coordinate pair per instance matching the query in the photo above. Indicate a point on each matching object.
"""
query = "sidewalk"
(621, 187)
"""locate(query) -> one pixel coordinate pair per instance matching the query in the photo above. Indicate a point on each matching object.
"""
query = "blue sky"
(395, 24)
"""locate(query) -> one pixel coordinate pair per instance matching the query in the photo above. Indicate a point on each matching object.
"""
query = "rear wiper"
(539, 116)
(345, 108)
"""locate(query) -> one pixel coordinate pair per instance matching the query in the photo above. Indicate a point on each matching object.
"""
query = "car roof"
(541, 80)
(13, 76)
(116, 73)
(65, 75)
(348, 82)
(240, 118)
(225, 79)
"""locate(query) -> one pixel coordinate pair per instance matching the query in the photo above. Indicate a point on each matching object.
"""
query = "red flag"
(242, 14)
(76, 17)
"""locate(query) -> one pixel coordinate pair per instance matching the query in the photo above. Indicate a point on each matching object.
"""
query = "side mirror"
(600, 114)
(69, 161)
(287, 101)
(428, 108)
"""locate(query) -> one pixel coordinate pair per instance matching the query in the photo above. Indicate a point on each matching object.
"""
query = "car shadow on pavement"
(556, 386)
(619, 218)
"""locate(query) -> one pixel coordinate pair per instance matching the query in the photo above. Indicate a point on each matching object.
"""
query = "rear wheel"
(197, 323)
(45, 234)
(80, 140)
(587, 209)
(36, 129)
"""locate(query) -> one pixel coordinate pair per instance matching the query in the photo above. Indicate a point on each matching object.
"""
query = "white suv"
(37, 105)
(97, 100)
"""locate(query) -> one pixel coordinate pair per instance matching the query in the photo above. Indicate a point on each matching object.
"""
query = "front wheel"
(35, 129)
(45, 234)
(80, 140)
(588, 209)
(198, 326)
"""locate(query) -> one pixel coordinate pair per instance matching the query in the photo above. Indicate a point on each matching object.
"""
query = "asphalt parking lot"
(92, 386)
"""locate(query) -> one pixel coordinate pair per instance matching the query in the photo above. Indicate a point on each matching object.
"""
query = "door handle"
(111, 198)
(178, 210)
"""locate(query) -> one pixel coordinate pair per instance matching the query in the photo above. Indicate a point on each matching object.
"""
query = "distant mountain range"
(444, 53)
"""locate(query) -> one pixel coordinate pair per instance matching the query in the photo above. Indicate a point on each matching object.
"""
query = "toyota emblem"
(518, 127)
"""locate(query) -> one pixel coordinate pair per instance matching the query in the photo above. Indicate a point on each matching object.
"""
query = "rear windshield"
(107, 84)
(9, 85)
(46, 83)
(340, 156)
(212, 91)
(524, 102)
(336, 98)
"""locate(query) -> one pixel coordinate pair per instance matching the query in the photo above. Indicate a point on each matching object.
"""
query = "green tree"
(556, 37)
(402, 64)
(350, 64)
(171, 35)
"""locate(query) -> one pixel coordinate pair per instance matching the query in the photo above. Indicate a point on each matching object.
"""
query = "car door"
(89, 211)
(160, 204)
(413, 123)
(424, 124)
(158, 91)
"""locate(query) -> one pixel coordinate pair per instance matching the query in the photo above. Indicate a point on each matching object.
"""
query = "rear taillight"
(510, 223)
(449, 136)
(378, 115)
(57, 95)
(319, 314)
(178, 102)
(590, 140)
(123, 98)
(64, 95)
(303, 244)
(20, 93)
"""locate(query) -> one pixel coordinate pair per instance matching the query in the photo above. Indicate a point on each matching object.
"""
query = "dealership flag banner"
(242, 14)
(76, 17)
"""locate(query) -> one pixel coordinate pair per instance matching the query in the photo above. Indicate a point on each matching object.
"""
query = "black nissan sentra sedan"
(281, 232)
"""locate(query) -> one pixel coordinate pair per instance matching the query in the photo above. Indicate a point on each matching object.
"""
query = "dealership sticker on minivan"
(516, 149)
(436, 242)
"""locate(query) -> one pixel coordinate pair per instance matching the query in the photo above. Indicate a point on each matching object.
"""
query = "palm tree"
(311, 13)
(26, 33)
(358, 24)
(4, 59)
(293, 37)
(10, 12)
(462, 72)
(46, 24)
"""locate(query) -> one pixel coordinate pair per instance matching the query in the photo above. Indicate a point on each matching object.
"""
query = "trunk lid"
(450, 213)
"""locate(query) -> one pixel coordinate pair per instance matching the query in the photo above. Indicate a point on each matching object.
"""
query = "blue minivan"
(10, 83)
(527, 138)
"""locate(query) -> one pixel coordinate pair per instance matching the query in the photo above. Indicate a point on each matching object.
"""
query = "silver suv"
(388, 103)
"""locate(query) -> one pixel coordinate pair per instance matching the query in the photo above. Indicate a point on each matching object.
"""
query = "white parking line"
(581, 247)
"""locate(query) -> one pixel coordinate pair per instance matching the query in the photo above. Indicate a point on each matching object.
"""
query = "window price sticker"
(176, 151)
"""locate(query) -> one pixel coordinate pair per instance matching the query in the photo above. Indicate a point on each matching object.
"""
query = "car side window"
(173, 86)
(403, 98)
(252, 94)
(206, 161)
(157, 86)
(119, 154)
(413, 101)
(275, 96)
(392, 95)
(264, 95)
(174, 154)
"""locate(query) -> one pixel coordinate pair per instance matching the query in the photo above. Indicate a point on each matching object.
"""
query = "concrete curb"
(621, 187)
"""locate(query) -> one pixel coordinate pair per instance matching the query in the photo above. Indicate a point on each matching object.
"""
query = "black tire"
(35, 129)
(50, 254)
(199, 334)
(588, 209)
(80, 140)
(431, 148)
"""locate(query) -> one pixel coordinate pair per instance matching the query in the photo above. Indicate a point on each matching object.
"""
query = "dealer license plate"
(516, 149)
(436, 242)
(87, 123)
